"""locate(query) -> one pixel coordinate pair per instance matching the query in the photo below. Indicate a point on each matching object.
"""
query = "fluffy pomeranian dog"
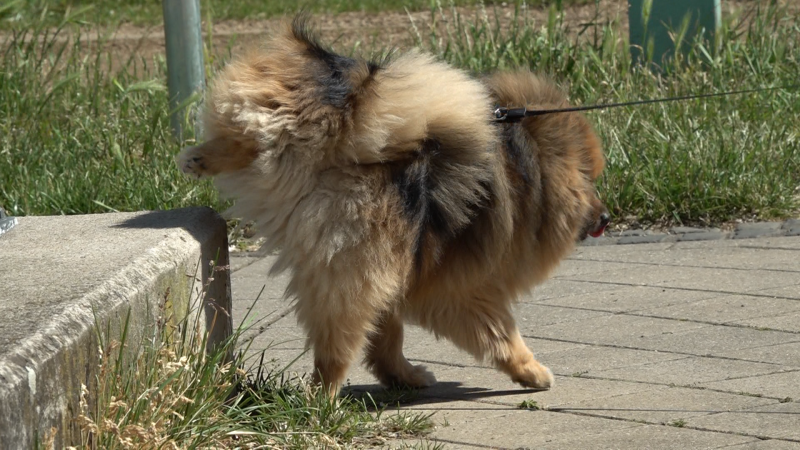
(394, 196)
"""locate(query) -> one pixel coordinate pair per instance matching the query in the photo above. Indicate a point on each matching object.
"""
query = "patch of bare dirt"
(358, 30)
(368, 32)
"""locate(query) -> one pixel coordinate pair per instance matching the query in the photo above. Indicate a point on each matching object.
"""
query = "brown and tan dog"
(393, 197)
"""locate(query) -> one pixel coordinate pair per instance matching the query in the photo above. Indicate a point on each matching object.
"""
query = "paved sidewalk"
(668, 345)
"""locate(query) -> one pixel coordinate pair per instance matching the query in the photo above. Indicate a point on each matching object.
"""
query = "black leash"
(517, 114)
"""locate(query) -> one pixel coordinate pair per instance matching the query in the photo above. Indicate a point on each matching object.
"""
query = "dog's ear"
(340, 78)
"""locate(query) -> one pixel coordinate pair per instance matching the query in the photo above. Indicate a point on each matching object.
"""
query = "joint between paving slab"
(690, 386)
(634, 313)
(447, 364)
(652, 264)
(790, 227)
(760, 247)
(423, 407)
(248, 258)
(460, 443)
(686, 427)
(734, 433)
(625, 347)
(678, 288)
(248, 336)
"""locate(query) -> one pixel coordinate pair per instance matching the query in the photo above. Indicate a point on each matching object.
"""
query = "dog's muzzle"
(602, 223)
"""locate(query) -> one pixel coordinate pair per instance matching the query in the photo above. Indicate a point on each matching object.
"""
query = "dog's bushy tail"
(429, 122)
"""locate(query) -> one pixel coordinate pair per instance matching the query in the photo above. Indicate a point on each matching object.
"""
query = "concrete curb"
(71, 273)
(789, 227)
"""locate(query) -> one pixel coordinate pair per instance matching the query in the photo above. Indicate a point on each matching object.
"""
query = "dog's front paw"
(533, 375)
(191, 162)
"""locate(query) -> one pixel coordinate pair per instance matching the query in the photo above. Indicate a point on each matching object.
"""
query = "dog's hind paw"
(414, 377)
(420, 377)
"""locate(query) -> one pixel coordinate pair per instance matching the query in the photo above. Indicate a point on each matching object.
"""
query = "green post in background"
(665, 16)
(185, 67)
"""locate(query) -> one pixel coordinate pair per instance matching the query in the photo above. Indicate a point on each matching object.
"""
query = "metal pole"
(185, 67)
(6, 222)
(652, 20)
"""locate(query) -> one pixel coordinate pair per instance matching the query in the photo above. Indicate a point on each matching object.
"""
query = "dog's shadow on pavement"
(441, 393)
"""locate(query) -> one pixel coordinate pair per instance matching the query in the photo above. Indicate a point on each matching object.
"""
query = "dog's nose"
(604, 219)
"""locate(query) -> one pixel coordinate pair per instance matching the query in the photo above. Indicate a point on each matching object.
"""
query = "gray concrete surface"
(745, 230)
(62, 275)
(688, 344)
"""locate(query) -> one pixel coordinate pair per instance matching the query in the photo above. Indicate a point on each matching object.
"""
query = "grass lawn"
(163, 390)
(78, 135)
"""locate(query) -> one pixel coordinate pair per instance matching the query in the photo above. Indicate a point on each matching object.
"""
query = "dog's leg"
(217, 156)
(385, 358)
(339, 304)
(336, 339)
(487, 329)
(336, 343)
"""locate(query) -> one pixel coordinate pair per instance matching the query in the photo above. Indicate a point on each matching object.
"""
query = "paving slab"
(730, 309)
(651, 437)
(487, 385)
(62, 275)
(641, 333)
(776, 421)
(582, 267)
(790, 292)
(689, 371)
(259, 291)
(772, 243)
(533, 429)
(780, 386)
(777, 243)
(730, 281)
(615, 330)
(766, 444)
(240, 260)
(627, 299)
(638, 275)
(789, 322)
(715, 340)
(741, 255)
(666, 405)
(787, 355)
(277, 338)
(589, 359)
(536, 315)
(560, 288)
(695, 278)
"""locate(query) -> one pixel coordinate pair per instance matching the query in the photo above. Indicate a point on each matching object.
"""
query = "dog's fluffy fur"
(393, 196)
